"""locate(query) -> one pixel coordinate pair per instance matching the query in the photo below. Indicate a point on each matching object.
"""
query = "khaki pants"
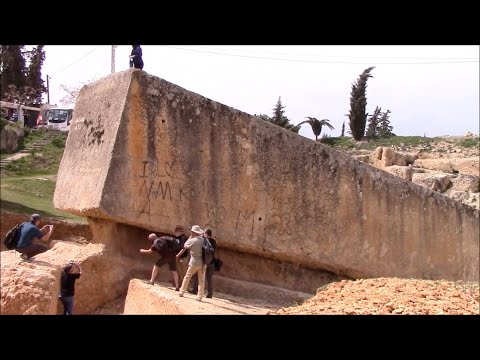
(182, 266)
(200, 271)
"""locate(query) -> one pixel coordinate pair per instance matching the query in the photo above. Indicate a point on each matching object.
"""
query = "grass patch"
(31, 195)
(348, 143)
(43, 162)
(469, 142)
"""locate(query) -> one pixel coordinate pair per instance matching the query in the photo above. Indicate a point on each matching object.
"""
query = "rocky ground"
(446, 165)
(385, 296)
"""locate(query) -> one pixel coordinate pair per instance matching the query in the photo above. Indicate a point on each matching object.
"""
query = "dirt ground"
(384, 296)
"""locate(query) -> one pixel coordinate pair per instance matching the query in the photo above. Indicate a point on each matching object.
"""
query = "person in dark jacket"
(136, 60)
(166, 257)
(71, 272)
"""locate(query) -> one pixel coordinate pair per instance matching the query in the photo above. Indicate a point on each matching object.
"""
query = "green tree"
(373, 123)
(279, 118)
(317, 125)
(12, 70)
(33, 77)
(385, 129)
(343, 130)
(358, 104)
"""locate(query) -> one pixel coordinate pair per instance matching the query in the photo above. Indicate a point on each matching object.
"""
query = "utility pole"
(48, 91)
(113, 58)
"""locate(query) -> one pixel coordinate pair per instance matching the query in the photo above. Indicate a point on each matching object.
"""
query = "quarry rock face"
(32, 287)
(27, 288)
(147, 153)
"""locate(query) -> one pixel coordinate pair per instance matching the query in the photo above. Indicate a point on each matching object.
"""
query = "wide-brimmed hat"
(196, 229)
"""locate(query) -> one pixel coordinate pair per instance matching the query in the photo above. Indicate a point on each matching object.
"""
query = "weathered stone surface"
(469, 166)
(145, 299)
(464, 182)
(437, 182)
(472, 199)
(147, 153)
(10, 137)
(27, 288)
(404, 172)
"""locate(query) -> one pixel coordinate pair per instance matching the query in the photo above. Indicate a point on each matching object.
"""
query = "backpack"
(208, 252)
(161, 246)
(173, 244)
(167, 245)
(12, 237)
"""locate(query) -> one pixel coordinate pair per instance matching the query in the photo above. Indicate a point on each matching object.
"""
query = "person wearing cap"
(195, 265)
(71, 272)
(182, 261)
(28, 233)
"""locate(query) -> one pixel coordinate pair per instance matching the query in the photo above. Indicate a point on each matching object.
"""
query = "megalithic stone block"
(148, 153)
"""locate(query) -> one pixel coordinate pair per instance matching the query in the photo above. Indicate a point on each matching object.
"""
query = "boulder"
(404, 172)
(463, 182)
(10, 137)
(437, 182)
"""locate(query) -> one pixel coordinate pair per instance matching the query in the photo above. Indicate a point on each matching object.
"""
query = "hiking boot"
(192, 292)
(209, 296)
(26, 258)
(177, 289)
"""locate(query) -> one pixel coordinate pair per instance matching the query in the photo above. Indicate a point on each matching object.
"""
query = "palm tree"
(317, 125)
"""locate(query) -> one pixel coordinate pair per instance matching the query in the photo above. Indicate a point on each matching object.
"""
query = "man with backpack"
(30, 231)
(196, 263)
(210, 268)
(165, 247)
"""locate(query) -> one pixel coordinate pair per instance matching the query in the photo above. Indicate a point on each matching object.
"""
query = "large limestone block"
(145, 299)
(145, 152)
(27, 288)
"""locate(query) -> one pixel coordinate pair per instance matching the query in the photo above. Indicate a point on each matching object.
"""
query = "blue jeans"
(67, 303)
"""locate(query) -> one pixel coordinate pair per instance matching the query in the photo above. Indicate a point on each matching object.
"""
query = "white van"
(59, 119)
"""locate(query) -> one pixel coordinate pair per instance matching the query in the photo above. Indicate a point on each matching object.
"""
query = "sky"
(430, 90)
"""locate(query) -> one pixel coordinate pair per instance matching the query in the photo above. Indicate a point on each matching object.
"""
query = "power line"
(66, 67)
(322, 61)
(341, 56)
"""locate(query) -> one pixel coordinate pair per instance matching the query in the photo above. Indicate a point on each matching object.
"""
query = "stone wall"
(145, 152)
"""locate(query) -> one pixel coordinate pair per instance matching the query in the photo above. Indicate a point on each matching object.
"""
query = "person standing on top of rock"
(136, 60)
(195, 265)
(71, 272)
(159, 245)
(210, 270)
(30, 231)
